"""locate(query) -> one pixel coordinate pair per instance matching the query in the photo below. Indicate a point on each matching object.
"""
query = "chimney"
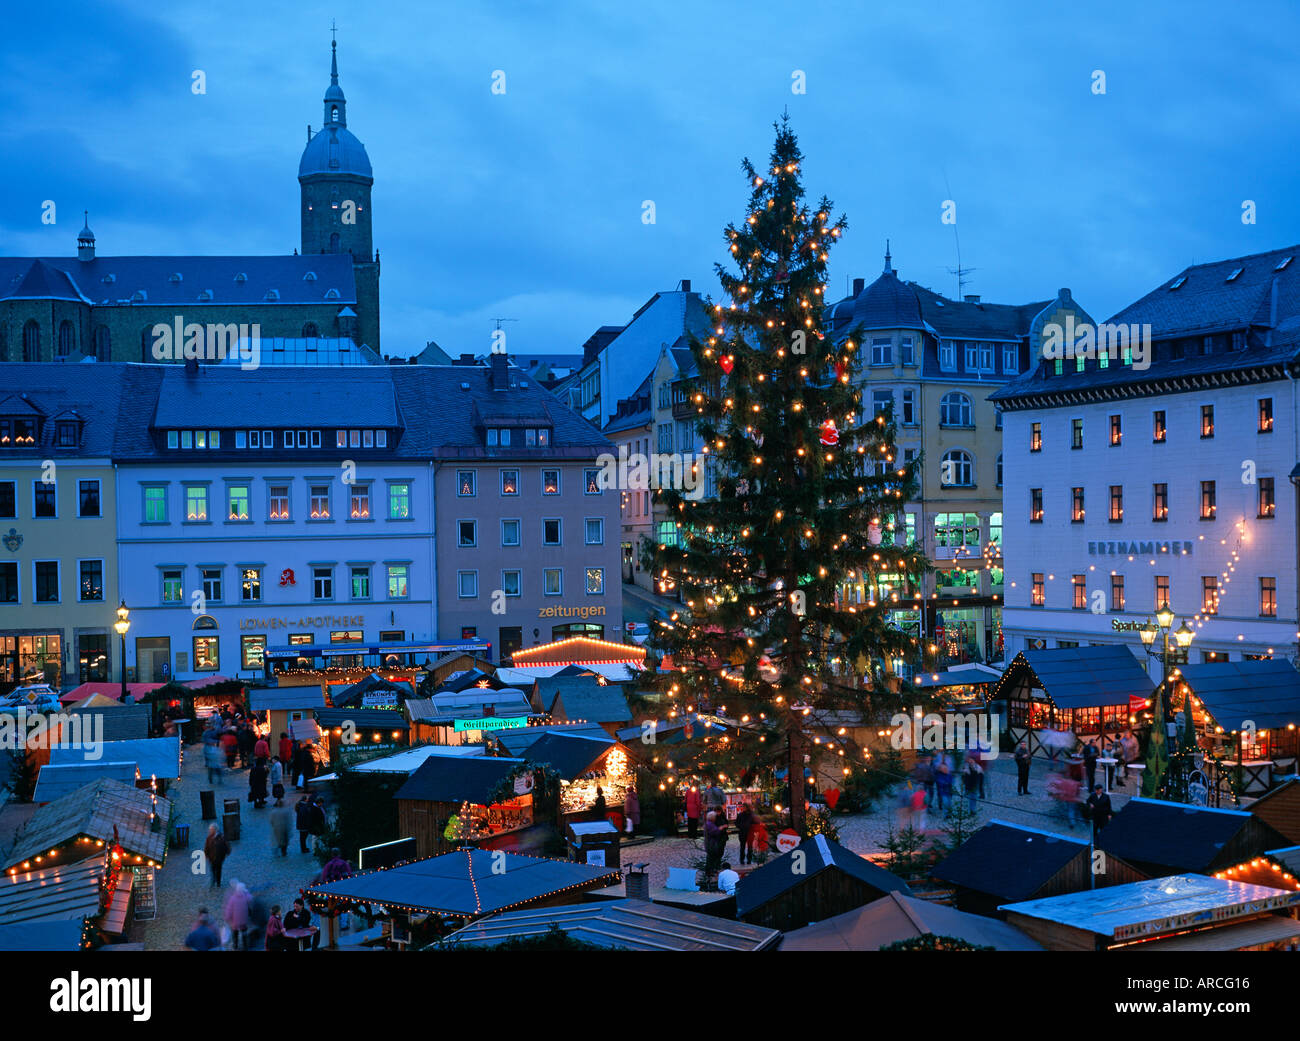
(500, 371)
(971, 298)
(684, 286)
(638, 883)
(859, 284)
(191, 367)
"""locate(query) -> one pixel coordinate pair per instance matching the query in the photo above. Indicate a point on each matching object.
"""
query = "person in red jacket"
(692, 811)
(286, 751)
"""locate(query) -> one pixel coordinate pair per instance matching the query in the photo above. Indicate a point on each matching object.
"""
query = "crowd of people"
(249, 921)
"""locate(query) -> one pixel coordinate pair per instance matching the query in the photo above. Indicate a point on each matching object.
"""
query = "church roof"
(192, 282)
(335, 150)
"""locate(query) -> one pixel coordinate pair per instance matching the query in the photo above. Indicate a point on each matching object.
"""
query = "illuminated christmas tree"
(809, 495)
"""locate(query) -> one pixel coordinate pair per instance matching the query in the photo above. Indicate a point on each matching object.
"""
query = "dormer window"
(17, 432)
(109, 279)
(272, 294)
(66, 433)
(310, 276)
(332, 294)
(205, 296)
(175, 276)
(241, 277)
(1235, 273)
(1178, 281)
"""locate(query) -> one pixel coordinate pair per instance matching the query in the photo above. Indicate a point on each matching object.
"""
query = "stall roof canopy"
(373, 685)
(521, 739)
(469, 883)
(363, 718)
(1178, 836)
(59, 779)
(571, 755)
(285, 699)
(304, 730)
(442, 778)
(778, 876)
(976, 673)
(119, 722)
(156, 756)
(1008, 861)
(1265, 692)
(579, 650)
(583, 697)
(1244, 935)
(69, 892)
(897, 916)
(630, 925)
(1079, 677)
(1154, 906)
(95, 811)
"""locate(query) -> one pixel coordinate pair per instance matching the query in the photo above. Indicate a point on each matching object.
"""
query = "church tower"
(335, 179)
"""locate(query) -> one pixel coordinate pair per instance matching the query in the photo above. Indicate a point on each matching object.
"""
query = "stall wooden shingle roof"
(1169, 837)
(1008, 861)
(572, 755)
(465, 884)
(778, 876)
(66, 893)
(630, 925)
(1079, 677)
(1233, 692)
(59, 779)
(94, 811)
(269, 699)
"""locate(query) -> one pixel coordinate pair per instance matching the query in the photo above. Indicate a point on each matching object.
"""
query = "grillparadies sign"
(92, 994)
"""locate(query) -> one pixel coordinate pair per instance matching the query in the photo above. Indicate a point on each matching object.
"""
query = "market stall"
(1070, 693)
(585, 763)
(452, 801)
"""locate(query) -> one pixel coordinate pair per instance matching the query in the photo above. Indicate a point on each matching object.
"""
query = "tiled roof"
(1007, 861)
(584, 698)
(571, 755)
(1179, 837)
(1080, 677)
(95, 811)
(819, 854)
(93, 391)
(445, 778)
(108, 281)
(970, 320)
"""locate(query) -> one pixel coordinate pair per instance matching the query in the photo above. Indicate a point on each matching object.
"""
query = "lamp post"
(122, 624)
(1183, 637)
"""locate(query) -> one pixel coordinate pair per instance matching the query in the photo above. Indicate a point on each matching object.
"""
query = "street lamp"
(1183, 637)
(122, 624)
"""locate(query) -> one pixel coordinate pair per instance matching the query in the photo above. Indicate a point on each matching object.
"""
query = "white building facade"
(1162, 478)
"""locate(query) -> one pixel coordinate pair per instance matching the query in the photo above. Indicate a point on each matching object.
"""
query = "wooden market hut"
(1279, 868)
(585, 761)
(833, 880)
(57, 780)
(374, 730)
(452, 664)
(284, 706)
(64, 907)
(436, 895)
(1005, 863)
(1179, 912)
(85, 821)
(447, 718)
(1172, 838)
(1280, 810)
(1249, 713)
(441, 786)
(1085, 691)
(625, 925)
(372, 691)
(587, 698)
(579, 650)
(898, 917)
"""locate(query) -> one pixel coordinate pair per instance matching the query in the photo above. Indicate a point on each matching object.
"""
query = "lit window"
(399, 501)
(595, 580)
(359, 502)
(320, 502)
(238, 497)
(279, 502)
(398, 576)
(196, 502)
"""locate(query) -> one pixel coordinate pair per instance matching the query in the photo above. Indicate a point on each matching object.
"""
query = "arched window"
(334, 113)
(309, 331)
(67, 339)
(955, 410)
(32, 341)
(103, 343)
(999, 469)
(334, 242)
(957, 469)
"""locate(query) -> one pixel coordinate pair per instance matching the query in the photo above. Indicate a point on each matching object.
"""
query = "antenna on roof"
(500, 320)
(959, 271)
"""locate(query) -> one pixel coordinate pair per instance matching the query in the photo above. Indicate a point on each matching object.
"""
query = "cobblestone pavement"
(253, 860)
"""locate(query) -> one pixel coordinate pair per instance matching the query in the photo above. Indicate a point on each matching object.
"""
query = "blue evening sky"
(528, 205)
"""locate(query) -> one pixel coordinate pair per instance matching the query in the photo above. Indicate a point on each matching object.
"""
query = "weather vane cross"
(334, 30)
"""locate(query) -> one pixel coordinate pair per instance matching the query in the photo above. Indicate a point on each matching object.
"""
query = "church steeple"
(336, 105)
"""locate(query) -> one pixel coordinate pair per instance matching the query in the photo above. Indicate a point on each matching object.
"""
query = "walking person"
(302, 812)
(276, 777)
(919, 799)
(1090, 757)
(943, 782)
(230, 746)
(236, 914)
(1100, 810)
(215, 851)
(692, 811)
(257, 784)
(286, 750)
(744, 825)
(715, 843)
(1022, 758)
(214, 761)
(281, 826)
(203, 937)
(244, 742)
(632, 810)
(318, 821)
(972, 774)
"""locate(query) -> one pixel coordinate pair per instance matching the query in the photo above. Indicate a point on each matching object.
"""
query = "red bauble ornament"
(829, 434)
(727, 362)
(840, 369)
